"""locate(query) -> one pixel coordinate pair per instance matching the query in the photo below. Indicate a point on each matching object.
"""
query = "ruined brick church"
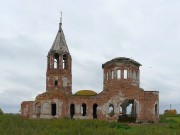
(121, 96)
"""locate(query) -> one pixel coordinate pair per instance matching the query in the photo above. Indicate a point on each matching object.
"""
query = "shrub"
(170, 112)
(1, 112)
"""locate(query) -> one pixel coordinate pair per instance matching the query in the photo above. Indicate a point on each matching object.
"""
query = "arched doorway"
(53, 109)
(83, 109)
(72, 110)
(95, 111)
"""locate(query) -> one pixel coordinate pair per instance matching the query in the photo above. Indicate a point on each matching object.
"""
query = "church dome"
(85, 93)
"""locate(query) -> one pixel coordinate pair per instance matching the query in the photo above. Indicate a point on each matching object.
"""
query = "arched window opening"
(95, 111)
(65, 61)
(83, 109)
(156, 109)
(56, 83)
(125, 74)
(112, 74)
(53, 109)
(107, 76)
(72, 110)
(118, 74)
(111, 110)
(56, 60)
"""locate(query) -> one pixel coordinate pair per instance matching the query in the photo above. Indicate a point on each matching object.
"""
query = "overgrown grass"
(14, 125)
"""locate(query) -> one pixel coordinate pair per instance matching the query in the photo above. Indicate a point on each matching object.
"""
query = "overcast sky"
(96, 31)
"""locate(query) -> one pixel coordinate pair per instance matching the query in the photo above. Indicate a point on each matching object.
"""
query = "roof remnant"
(121, 59)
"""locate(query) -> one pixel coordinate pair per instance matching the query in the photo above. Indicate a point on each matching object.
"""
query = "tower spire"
(60, 24)
(59, 44)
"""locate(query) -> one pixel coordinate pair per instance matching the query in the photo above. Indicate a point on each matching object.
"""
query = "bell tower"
(58, 75)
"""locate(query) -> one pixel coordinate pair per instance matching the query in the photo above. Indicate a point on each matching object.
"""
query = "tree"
(1, 112)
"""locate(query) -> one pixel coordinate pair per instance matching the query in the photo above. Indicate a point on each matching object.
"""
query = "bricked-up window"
(137, 75)
(112, 74)
(107, 76)
(65, 61)
(111, 110)
(125, 74)
(134, 75)
(118, 74)
(56, 60)
(156, 109)
(83, 109)
(38, 109)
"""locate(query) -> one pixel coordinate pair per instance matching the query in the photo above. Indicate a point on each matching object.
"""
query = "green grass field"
(14, 125)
